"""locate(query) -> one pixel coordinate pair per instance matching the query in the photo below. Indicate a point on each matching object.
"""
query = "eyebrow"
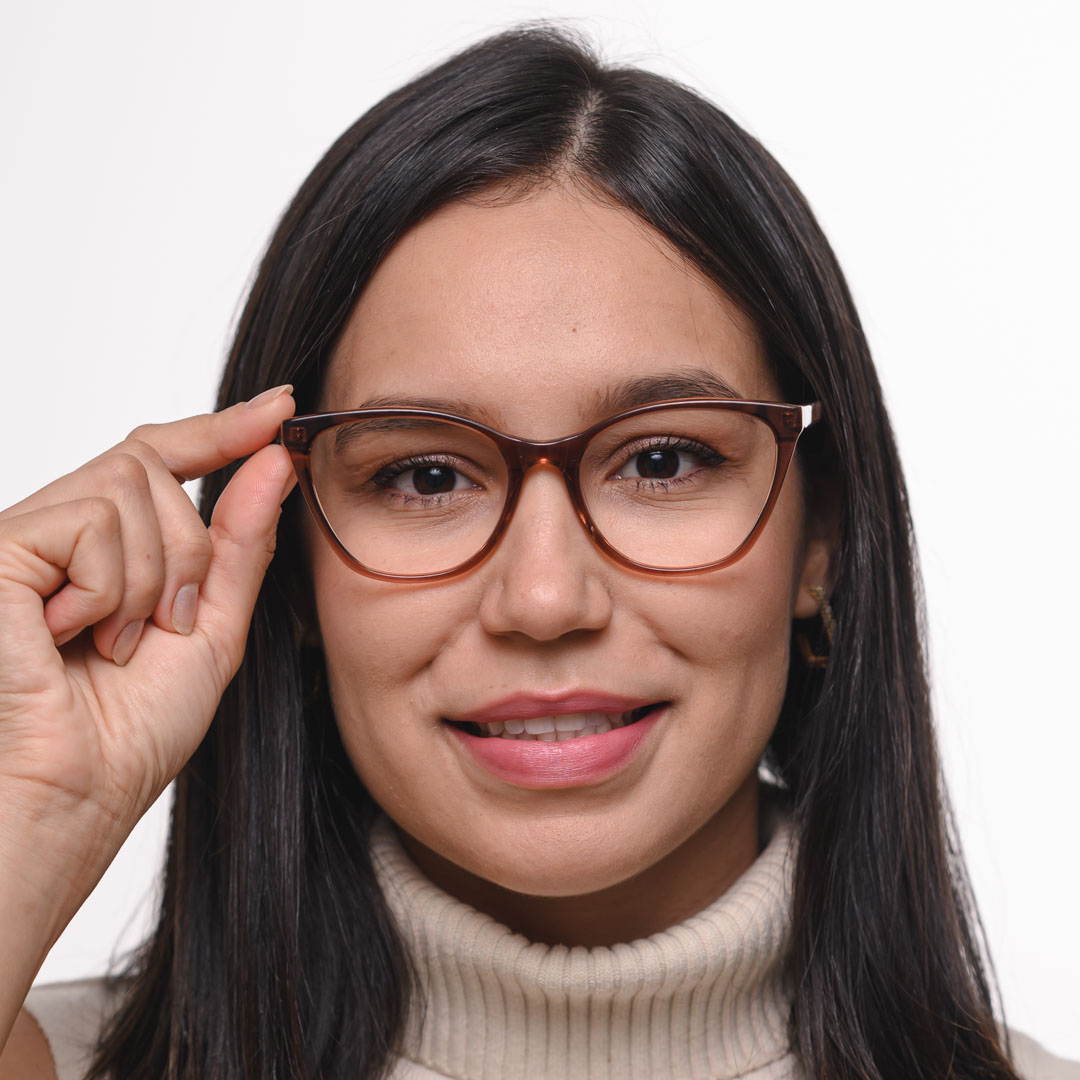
(456, 406)
(666, 386)
(345, 433)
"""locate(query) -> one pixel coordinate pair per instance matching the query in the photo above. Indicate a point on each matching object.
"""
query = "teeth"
(556, 728)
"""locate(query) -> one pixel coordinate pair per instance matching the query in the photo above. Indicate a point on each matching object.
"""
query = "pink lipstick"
(578, 761)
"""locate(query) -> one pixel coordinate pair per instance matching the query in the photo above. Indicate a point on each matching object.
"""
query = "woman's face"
(528, 312)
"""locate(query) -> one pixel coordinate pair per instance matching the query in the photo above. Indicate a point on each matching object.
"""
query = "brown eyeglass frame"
(787, 422)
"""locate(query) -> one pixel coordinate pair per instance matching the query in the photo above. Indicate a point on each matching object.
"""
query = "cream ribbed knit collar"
(703, 999)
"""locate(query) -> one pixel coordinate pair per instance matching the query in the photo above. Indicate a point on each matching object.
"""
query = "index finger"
(197, 445)
(190, 448)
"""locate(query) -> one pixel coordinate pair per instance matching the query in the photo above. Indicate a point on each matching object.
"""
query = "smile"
(590, 750)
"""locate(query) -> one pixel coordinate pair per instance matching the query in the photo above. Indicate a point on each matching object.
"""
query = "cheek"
(737, 622)
(732, 631)
(377, 636)
(380, 641)
(374, 634)
(734, 635)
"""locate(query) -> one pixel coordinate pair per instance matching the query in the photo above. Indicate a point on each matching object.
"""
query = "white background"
(148, 148)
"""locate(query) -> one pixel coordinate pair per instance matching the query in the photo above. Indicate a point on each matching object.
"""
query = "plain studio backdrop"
(148, 149)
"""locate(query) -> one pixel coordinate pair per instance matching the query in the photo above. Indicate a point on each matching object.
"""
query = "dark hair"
(275, 954)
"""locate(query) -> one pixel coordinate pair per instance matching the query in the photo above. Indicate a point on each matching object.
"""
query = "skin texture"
(530, 309)
(26, 1054)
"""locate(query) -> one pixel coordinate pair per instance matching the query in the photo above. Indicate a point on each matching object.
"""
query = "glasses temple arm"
(811, 413)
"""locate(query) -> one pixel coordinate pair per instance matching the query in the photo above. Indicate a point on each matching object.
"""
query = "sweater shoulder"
(1033, 1062)
(71, 1015)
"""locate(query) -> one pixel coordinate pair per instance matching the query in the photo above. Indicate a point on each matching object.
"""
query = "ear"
(822, 542)
(816, 569)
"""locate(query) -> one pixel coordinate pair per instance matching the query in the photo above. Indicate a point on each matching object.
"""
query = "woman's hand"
(122, 620)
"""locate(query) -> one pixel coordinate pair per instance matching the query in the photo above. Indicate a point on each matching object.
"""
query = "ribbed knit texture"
(703, 1000)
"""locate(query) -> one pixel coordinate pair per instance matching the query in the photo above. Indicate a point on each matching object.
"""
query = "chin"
(552, 864)
(558, 879)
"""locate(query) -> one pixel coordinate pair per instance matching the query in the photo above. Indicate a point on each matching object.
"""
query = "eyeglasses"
(673, 487)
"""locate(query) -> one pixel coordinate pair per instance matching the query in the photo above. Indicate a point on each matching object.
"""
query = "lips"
(578, 762)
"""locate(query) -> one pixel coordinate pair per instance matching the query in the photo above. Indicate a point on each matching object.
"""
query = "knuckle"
(105, 589)
(194, 548)
(264, 553)
(140, 448)
(143, 434)
(101, 514)
(126, 470)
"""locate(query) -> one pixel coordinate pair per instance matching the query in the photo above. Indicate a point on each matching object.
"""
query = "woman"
(703, 544)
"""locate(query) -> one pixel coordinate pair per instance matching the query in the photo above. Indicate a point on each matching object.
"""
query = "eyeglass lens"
(669, 489)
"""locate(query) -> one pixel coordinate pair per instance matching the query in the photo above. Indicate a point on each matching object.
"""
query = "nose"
(546, 578)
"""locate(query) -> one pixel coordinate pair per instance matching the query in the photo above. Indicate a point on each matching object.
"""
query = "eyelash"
(399, 466)
(708, 457)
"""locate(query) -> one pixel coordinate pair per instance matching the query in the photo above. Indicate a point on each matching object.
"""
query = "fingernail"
(267, 396)
(126, 642)
(183, 609)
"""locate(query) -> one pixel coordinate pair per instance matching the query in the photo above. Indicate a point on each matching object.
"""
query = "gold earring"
(828, 621)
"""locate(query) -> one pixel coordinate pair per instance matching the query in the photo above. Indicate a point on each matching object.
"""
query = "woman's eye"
(429, 480)
(659, 463)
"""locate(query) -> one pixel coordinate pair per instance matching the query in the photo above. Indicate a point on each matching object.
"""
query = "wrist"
(50, 862)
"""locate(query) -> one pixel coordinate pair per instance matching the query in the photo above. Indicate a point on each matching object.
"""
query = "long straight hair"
(275, 954)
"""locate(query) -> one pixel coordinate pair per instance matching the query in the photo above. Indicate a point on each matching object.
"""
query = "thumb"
(243, 531)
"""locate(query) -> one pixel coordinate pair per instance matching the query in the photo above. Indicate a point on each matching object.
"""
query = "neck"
(682, 883)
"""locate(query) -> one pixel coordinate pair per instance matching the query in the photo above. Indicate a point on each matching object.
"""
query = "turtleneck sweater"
(706, 998)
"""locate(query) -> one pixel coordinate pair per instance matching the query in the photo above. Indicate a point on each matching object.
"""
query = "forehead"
(535, 315)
